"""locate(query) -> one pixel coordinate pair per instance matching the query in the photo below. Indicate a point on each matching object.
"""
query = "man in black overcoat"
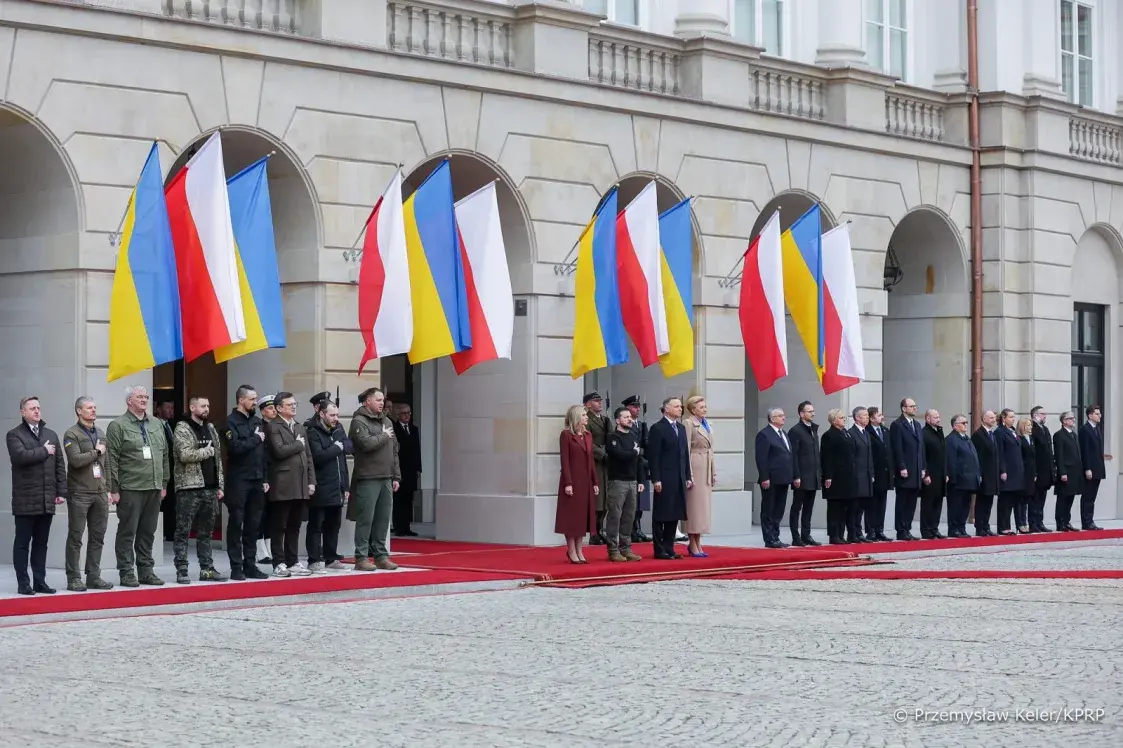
(1095, 469)
(1046, 469)
(906, 445)
(935, 479)
(668, 465)
(1070, 470)
(804, 438)
(882, 476)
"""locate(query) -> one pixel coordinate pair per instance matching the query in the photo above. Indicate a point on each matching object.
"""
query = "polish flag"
(761, 310)
(385, 304)
(844, 364)
(640, 276)
(491, 304)
(207, 265)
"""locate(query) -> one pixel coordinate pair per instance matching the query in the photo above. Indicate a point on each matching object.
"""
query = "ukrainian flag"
(676, 259)
(599, 339)
(251, 214)
(144, 322)
(438, 287)
(802, 257)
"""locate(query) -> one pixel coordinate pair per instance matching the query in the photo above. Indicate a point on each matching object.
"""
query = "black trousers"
(844, 516)
(983, 505)
(1021, 509)
(245, 504)
(959, 509)
(930, 509)
(1063, 511)
(403, 508)
(1007, 500)
(1037, 508)
(663, 537)
(1088, 503)
(32, 532)
(854, 511)
(904, 509)
(772, 502)
(875, 512)
(322, 538)
(284, 531)
(799, 519)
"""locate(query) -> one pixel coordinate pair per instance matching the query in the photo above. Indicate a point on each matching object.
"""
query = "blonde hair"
(835, 413)
(573, 418)
(692, 401)
(1025, 426)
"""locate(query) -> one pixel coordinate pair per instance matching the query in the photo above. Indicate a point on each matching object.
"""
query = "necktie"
(674, 428)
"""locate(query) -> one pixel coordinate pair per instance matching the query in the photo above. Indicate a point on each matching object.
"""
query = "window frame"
(1082, 360)
(610, 15)
(758, 26)
(887, 38)
(1072, 96)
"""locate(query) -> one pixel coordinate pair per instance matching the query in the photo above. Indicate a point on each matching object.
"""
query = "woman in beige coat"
(700, 444)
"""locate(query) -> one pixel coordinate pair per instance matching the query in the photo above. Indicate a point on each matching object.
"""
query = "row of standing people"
(1014, 461)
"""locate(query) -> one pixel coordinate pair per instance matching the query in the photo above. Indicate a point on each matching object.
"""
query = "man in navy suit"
(668, 467)
(964, 475)
(907, 448)
(775, 472)
(1092, 455)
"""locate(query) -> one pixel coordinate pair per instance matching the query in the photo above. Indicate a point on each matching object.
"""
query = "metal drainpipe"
(976, 214)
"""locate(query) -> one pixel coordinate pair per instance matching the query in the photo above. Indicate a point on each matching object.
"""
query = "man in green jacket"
(375, 478)
(139, 466)
(88, 504)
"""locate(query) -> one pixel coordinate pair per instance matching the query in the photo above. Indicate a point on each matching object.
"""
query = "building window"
(618, 11)
(759, 23)
(887, 36)
(1088, 357)
(1076, 52)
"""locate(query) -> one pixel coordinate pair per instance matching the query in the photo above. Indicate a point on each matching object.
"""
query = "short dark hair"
(1005, 412)
(280, 397)
(904, 401)
(620, 410)
(801, 406)
(668, 400)
(368, 393)
(1035, 410)
(243, 391)
(196, 398)
(873, 410)
(1091, 409)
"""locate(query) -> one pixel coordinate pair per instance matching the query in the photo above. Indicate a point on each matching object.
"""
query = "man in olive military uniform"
(88, 506)
(375, 477)
(198, 479)
(138, 468)
(599, 427)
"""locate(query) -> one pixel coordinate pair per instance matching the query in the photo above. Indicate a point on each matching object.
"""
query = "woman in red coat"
(578, 488)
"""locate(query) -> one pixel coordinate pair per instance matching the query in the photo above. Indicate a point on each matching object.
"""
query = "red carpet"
(792, 575)
(550, 564)
(427, 545)
(906, 546)
(201, 592)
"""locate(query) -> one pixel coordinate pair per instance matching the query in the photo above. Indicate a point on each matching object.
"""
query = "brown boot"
(364, 564)
(615, 556)
(385, 564)
(629, 556)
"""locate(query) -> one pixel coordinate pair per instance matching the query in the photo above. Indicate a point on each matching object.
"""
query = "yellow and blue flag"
(438, 286)
(144, 319)
(676, 259)
(599, 339)
(251, 214)
(802, 255)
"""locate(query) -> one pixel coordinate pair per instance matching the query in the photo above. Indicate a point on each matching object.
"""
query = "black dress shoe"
(938, 536)
(927, 536)
(836, 541)
(797, 541)
(1069, 528)
(774, 544)
(808, 540)
(883, 538)
(43, 589)
(26, 589)
(1093, 526)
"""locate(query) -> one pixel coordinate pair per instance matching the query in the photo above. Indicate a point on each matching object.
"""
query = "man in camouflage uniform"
(88, 505)
(198, 480)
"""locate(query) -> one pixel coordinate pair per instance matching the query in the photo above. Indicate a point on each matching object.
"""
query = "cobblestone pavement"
(688, 664)
(1102, 555)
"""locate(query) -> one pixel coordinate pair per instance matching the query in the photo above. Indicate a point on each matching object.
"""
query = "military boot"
(182, 577)
(385, 564)
(210, 575)
(97, 583)
(616, 557)
(75, 585)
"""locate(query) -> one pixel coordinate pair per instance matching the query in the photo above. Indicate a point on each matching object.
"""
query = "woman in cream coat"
(700, 444)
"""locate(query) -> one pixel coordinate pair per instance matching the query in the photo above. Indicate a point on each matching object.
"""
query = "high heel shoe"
(571, 559)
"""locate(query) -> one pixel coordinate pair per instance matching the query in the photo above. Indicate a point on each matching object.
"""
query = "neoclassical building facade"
(558, 107)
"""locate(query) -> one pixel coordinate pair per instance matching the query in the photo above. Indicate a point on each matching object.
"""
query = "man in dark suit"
(1046, 469)
(1070, 470)
(668, 466)
(935, 478)
(804, 438)
(882, 476)
(775, 469)
(963, 475)
(1092, 455)
(409, 461)
(907, 448)
(986, 445)
(599, 427)
(863, 474)
(1011, 487)
(639, 433)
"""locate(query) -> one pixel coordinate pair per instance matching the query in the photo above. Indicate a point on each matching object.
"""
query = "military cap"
(594, 395)
(266, 401)
(631, 400)
(320, 399)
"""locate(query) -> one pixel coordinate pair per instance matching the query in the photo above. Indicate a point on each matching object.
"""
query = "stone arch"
(792, 204)
(298, 232)
(44, 310)
(926, 331)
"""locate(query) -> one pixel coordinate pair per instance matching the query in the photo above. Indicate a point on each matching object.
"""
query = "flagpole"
(566, 266)
(116, 235)
(481, 189)
(376, 204)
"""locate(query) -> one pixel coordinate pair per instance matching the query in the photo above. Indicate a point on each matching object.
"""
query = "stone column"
(703, 18)
(948, 41)
(841, 34)
(1040, 50)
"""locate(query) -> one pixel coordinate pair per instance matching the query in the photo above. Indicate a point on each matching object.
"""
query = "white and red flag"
(640, 277)
(206, 262)
(843, 363)
(385, 303)
(491, 303)
(761, 310)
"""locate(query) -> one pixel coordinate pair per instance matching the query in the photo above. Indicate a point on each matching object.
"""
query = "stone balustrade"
(779, 87)
(915, 113)
(631, 59)
(279, 16)
(1094, 140)
(464, 31)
